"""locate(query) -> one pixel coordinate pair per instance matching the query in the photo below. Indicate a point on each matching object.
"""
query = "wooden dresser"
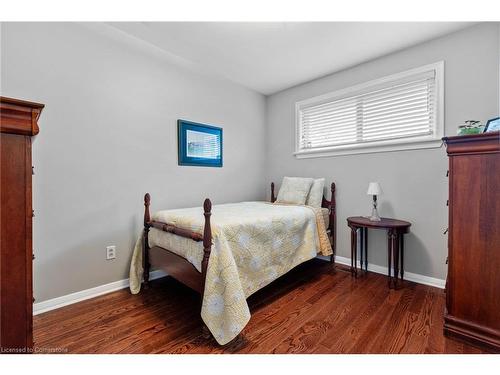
(18, 123)
(473, 285)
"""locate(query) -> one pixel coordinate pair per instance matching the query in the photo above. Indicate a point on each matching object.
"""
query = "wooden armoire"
(18, 123)
(473, 284)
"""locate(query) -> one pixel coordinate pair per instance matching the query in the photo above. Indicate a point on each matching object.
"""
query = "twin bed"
(229, 251)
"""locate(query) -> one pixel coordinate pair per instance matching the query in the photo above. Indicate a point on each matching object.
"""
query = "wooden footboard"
(176, 266)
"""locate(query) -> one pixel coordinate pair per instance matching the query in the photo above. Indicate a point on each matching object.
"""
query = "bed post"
(145, 242)
(273, 198)
(207, 240)
(207, 247)
(333, 222)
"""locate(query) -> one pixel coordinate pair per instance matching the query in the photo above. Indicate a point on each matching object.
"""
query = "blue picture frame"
(199, 144)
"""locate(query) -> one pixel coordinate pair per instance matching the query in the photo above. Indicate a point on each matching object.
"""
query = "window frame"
(410, 143)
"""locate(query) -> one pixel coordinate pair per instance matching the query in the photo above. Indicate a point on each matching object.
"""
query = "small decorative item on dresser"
(374, 189)
(470, 127)
(492, 125)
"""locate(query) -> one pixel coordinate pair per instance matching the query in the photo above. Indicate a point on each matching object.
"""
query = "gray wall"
(108, 135)
(414, 182)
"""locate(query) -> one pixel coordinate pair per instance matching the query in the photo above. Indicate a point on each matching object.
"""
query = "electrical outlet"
(110, 252)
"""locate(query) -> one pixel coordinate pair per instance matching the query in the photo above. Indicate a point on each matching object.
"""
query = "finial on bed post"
(207, 239)
(273, 198)
(333, 222)
(145, 242)
(147, 201)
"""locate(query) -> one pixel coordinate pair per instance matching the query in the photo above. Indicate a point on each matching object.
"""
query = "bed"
(227, 252)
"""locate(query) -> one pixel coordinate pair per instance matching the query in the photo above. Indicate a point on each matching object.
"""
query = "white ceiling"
(270, 57)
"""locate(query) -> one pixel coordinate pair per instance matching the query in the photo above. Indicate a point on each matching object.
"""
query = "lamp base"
(374, 216)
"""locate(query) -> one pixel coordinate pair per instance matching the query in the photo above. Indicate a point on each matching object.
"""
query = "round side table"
(396, 229)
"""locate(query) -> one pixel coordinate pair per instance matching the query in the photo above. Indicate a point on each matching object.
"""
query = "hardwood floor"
(312, 309)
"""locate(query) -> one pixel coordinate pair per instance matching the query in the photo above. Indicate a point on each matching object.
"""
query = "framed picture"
(199, 144)
(492, 125)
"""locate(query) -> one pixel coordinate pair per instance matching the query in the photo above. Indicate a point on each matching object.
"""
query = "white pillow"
(315, 197)
(294, 190)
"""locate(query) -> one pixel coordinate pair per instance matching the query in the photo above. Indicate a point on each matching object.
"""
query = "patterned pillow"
(315, 197)
(294, 190)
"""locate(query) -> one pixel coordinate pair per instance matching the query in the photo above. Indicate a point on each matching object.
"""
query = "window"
(402, 111)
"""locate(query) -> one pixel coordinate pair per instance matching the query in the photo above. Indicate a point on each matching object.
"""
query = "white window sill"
(365, 149)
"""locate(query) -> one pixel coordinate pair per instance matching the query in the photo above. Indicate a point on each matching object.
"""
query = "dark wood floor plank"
(49, 319)
(377, 325)
(110, 333)
(402, 333)
(425, 314)
(353, 327)
(160, 320)
(109, 312)
(419, 332)
(436, 341)
(276, 327)
(307, 336)
(313, 309)
(358, 302)
(419, 297)
(323, 322)
(264, 304)
(261, 326)
(395, 324)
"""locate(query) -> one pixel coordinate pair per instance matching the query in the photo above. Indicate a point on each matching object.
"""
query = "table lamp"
(374, 189)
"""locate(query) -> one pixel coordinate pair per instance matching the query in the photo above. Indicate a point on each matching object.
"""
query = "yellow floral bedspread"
(254, 243)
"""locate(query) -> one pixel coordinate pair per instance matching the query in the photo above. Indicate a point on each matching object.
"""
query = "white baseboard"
(55, 303)
(415, 277)
(68, 299)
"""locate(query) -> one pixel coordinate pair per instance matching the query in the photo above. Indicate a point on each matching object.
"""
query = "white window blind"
(396, 109)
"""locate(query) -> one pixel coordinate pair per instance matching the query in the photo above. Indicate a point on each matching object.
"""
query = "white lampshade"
(374, 189)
